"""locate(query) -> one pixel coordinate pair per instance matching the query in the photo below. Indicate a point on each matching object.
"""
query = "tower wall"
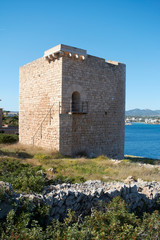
(102, 85)
(40, 92)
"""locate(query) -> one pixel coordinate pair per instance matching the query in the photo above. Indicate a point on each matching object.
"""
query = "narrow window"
(75, 102)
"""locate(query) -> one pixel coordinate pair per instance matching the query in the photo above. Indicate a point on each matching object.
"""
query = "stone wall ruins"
(83, 198)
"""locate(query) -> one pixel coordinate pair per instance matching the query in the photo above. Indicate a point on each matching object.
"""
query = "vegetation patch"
(10, 120)
(102, 157)
(141, 160)
(23, 177)
(31, 169)
(41, 156)
(75, 169)
(8, 138)
(111, 221)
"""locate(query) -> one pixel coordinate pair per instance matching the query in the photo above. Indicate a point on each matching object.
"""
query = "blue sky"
(127, 31)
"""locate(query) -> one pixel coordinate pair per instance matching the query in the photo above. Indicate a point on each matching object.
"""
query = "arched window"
(75, 102)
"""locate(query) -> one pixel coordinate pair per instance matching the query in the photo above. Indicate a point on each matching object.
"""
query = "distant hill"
(10, 111)
(142, 112)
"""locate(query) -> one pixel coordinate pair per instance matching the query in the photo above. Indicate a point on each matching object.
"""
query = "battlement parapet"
(61, 50)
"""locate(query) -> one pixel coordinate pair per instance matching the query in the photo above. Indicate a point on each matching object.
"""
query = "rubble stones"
(84, 197)
(52, 170)
(6, 186)
(129, 180)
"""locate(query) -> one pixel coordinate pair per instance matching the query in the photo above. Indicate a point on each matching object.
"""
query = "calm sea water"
(142, 140)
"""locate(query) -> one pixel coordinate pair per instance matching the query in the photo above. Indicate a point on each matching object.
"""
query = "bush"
(23, 177)
(41, 156)
(113, 222)
(58, 155)
(44, 157)
(8, 138)
(102, 157)
(10, 121)
(23, 155)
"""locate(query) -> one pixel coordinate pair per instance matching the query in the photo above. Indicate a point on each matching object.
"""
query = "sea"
(142, 140)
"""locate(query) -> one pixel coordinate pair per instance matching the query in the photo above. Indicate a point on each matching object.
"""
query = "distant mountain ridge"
(142, 112)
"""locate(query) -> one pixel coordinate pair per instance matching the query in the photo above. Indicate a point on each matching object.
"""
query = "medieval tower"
(73, 102)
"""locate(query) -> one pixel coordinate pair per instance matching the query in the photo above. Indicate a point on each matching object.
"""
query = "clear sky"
(127, 31)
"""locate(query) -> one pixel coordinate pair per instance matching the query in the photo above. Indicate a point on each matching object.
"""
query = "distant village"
(148, 120)
(146, 116)
(10, 114)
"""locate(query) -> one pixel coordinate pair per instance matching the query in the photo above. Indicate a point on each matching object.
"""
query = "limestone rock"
(84, 197)
(129, 180)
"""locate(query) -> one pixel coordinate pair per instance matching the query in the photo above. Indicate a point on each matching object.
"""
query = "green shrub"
(102, 157)
(15, 153)
(8, 138)
(140, 159)
(58, 155)
(23, 177)
(10, 121)
(44, 157)
(112, 221)
(41, 156)
(23, 155)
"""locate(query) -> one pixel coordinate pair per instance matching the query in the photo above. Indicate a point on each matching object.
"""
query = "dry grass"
(100, 168)
(17, 147)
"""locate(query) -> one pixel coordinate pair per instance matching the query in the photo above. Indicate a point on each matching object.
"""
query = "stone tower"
(73, 102)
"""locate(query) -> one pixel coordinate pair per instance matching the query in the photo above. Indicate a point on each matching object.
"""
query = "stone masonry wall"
(46, 117)
(102, 85)
(39, 90)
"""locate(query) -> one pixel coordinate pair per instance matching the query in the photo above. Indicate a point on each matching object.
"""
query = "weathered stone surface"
(83, 198)
(129, 180)
(6, 186)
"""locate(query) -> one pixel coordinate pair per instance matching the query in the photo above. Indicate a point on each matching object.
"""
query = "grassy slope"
(100, 168)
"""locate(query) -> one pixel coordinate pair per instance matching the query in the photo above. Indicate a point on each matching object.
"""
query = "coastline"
(130, 123)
